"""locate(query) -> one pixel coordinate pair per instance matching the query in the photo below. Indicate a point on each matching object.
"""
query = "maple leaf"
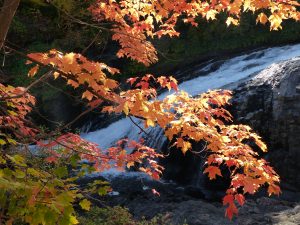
(88, 95)
(85, 204)
(275, 20)
(132, 80)
(212, 172)
(73, 83)
(228, 199)
(184, 145)
(33, 70)
(274, 189)
(150, 123)
(262, 18)
(231, 20)
(173, 83)
(231, 210)
(240, 199)
(250, 185)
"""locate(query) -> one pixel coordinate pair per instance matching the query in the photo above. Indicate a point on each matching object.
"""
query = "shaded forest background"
(38, 27)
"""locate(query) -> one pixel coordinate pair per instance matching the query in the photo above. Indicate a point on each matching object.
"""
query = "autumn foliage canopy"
(37, 183)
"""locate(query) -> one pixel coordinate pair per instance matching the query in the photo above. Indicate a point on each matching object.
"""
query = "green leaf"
(85, 204)
(38, 2)
(50, 217)
(100, 182)
(19, 174)
(61, 171)
(2, 161)
(33, 172)
(74, 160)
(11, 141)
(104, 190)
(17, 159)
(65, 199)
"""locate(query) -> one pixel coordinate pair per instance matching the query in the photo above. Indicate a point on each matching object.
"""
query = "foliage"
(116, 215)
(159, 18)
(38, 185)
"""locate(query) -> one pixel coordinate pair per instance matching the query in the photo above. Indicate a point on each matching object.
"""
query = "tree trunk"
(7, 13)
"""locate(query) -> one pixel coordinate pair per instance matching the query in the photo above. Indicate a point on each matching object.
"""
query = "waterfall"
(229, 72)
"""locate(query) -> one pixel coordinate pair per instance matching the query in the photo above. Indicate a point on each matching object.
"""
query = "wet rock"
(270, 104)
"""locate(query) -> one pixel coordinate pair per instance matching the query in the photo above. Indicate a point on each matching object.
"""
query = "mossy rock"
(117, 216)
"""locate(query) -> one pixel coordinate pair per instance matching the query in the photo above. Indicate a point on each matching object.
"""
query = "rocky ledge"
(270, 104)
(179, 205)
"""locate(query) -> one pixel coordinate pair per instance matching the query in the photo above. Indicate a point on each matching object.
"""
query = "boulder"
(270, 103)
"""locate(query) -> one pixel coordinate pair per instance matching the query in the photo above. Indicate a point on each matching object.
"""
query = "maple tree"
(37, 184)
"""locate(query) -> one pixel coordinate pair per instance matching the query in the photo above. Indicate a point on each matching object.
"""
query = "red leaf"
(231, 210)
(155, 175)
(51, 159)
(240, 199)
(144, 85)
(228, 199)
(132, 80)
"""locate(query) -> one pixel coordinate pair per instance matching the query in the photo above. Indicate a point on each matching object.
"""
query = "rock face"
(270, 104)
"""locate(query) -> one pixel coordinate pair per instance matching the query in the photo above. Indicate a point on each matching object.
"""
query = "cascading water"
(230, 71)
(227, 74)
(188, 170)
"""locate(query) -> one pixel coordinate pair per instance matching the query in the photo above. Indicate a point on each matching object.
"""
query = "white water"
(231, 71)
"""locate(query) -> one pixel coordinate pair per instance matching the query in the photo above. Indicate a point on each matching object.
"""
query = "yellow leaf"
(275, 21)
(231, 20)
(2, 142)
(247, 5)
(73, 220)
(56, 75)
(226, 139)
(184, 145)
(211, 14)
(145, 108)
(126, 109)
(150, 123)
(85, 204)
(11, 141)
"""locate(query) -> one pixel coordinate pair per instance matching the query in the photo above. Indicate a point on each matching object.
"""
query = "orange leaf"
(88, 95)
(212, 172)
(33, 70)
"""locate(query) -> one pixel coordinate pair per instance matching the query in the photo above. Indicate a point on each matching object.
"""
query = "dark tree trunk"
(7, 13)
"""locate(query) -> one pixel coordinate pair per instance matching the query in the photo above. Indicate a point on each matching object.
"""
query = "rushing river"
(230, 71)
